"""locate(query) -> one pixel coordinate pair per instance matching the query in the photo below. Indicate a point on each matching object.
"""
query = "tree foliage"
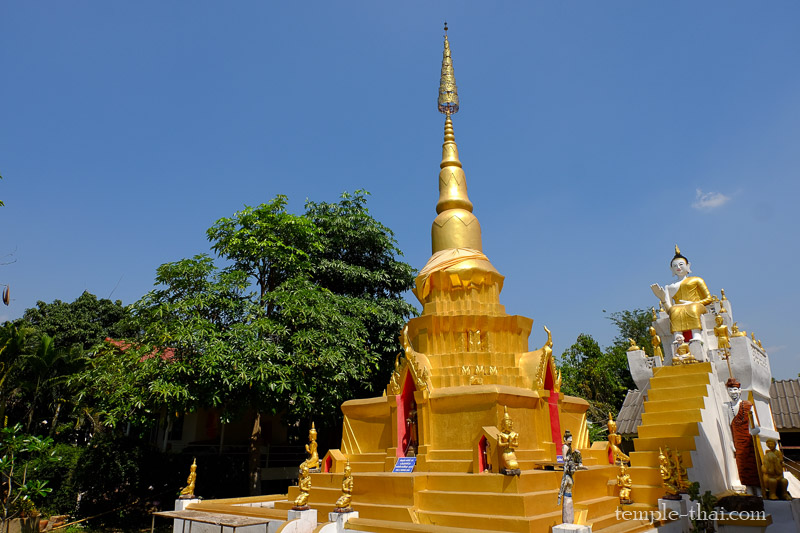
(302, 313)
(18, 482)
(601, 376)
(84, 322)
(41, 355)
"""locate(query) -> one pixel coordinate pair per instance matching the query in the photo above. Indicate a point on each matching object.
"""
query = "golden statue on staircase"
(625, 484)
(668, 476)
(680, 473)
(342, 505)
(655, 342)
(614, 440)
(304, 484)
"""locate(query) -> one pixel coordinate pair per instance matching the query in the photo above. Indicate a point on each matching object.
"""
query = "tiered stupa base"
(429, 501)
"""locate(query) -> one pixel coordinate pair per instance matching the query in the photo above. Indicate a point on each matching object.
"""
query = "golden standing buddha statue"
(655, 341)
(722, 334)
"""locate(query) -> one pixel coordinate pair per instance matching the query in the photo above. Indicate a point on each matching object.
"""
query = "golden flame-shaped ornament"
(448, 92)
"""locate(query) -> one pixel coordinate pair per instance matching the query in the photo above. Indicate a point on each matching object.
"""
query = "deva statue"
(508, 441)
(685, 300)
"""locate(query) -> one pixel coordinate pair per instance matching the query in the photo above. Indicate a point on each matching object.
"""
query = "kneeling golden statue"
(343, 503)
(772, 469)
(508, 441)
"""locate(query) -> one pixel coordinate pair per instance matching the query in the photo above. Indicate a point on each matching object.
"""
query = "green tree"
(45, 350)
(84, 322)
(17, 486)
(14, 343)
(602, 376)
(304, 315)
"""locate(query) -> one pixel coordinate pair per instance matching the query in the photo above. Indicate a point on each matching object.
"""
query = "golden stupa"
(467, 399)
(466, 363)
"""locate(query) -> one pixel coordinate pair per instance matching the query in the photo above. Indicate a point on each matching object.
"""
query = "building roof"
(165, 354)
(784, 399)
(629, 417)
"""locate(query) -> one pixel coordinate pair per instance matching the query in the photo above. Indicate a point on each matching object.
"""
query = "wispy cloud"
(709, 200)
(774, 349)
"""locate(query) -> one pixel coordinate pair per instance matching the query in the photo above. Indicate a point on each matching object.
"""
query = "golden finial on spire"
(448, 92)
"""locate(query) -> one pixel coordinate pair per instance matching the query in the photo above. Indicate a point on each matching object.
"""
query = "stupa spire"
(448, 92)
(456, 226)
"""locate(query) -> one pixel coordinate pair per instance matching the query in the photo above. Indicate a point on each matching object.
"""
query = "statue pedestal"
(180, 505)
(300, 521)
(571, 528)
(697, 350)
(339, 520)
(675, 511)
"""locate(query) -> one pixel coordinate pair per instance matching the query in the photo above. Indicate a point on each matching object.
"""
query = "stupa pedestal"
(571, 528)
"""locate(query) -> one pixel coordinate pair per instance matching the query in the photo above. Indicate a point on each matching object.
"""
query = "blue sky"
(594, 136)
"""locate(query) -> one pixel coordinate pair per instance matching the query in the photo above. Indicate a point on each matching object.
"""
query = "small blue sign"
(559, 458)
(405, 465)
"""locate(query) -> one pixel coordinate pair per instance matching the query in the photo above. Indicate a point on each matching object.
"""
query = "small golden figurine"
(655, 316)
(304, 484)
(722, 291)
(772, 469)
(311, 449)
(680, 473)
(735, 331)
(508, 440)
(632, 347)
(412, 430)
(759, 344)
(668, 477)
(753, 336)
(187, 492)
(614, 440)
(342, 505)
(655, 340)
(625, 484)
(722, 334)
